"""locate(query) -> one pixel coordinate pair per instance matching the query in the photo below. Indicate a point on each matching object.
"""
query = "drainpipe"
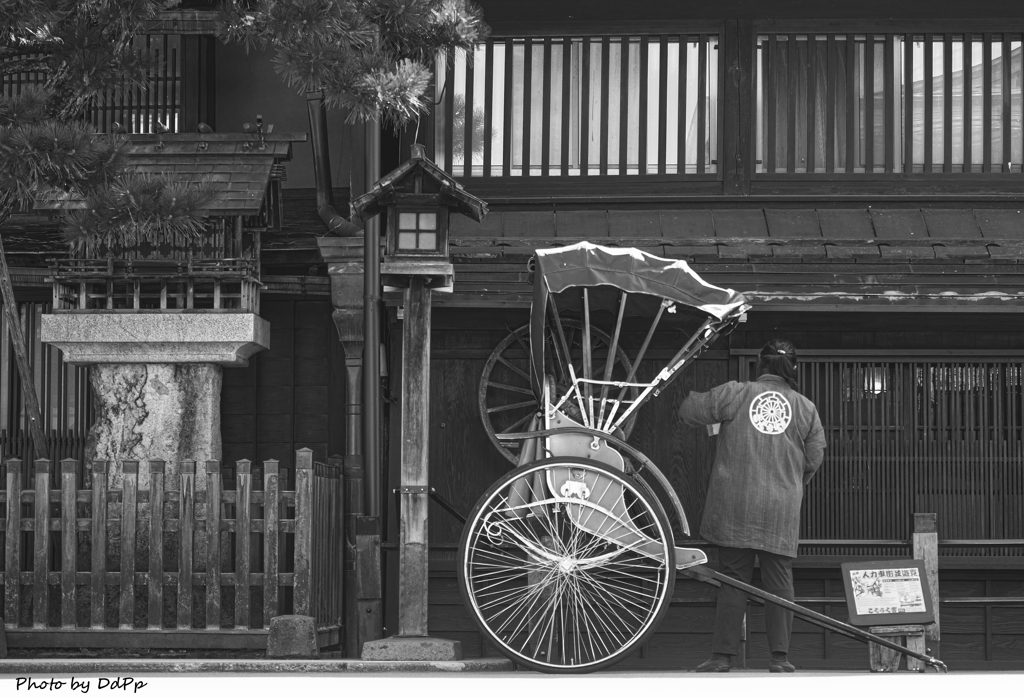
(337, 224)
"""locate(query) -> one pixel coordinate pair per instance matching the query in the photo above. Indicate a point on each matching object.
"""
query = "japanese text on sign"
(887, 591)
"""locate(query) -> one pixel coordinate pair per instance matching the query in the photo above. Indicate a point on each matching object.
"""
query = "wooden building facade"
(855, 170)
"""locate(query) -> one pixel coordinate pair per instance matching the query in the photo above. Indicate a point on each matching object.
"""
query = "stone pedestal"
(413, 648)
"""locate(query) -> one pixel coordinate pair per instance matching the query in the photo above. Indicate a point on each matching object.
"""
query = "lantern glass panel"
(406, 221)
(428, 221)
(407, 240)
(428, 240)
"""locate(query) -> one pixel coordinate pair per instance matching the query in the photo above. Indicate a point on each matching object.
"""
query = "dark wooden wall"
(290, 396)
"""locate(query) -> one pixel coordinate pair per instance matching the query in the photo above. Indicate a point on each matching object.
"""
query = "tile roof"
(237, 162)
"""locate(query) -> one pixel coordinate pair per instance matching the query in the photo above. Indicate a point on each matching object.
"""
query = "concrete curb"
(109, 666)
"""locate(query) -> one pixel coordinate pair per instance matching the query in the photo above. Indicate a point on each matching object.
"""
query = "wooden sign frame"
(888, 592)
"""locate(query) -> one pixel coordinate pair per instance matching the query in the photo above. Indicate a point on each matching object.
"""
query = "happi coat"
(769, 446)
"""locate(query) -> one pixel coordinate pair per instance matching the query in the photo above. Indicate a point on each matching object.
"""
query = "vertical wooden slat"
(243, 537)
(98, 535)
(469, 122)
(681, 155)
(488, 105)
(545, 128)
(1005, 64)
(186, 527)
(154, 580)
(890, 103)
(929, 117)
(986, 97)
(831, 92)
(12, 544)
(851, 99)
(947, 103)
(585, 107)
(68, 541)
(214, 484)
(605, 89)
(508, 120)
(702, 96)
(662, 102)
(271, 531)
(566, 110)
(41, 548)
(449, 113)
(772, 98)
(968, 76)
(527, 103)
(130, 468)
(908, 104)
(302, 597)
(812, 115)
(869, 103)
(793, 81)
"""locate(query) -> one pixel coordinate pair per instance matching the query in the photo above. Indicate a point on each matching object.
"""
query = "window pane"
(428, 221)
(428, 240)
(406, 221)
(407, 240)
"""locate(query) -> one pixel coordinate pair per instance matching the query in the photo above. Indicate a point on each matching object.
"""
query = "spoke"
(514, 368)
(510, 388)
(517, 424)
(512, 407)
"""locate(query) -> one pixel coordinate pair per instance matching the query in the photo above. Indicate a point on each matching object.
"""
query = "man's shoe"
(780, 665)
(715, 665)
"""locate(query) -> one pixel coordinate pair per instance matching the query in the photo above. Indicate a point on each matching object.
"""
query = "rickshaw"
(568, 562)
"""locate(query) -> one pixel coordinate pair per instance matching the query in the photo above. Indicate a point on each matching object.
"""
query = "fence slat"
(12, 562)
(98, 535)
(271, 531)
(41, 548)
(154, 581)
(303, 530)
(130, 469)
(186, 511)
(243, 542)
(68, 540)
(214, 483)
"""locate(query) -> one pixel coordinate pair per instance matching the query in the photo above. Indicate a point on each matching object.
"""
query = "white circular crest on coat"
(770, 413)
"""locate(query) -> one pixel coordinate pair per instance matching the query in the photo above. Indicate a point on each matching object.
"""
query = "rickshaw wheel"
(505, 395)
(551, 595)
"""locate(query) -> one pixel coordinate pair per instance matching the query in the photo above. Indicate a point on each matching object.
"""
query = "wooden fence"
(158, 568)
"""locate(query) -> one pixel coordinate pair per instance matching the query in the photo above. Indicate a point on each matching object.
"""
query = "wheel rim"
(505, 394)
(553, 595)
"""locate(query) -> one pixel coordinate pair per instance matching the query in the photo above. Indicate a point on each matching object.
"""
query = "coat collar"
(768, 377)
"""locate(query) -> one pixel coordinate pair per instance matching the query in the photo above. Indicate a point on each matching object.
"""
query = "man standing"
(770, 444)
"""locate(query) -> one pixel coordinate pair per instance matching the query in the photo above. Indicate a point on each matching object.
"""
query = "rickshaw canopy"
(650, 279)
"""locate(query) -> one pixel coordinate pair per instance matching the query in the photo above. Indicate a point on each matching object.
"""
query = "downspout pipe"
(337, 225)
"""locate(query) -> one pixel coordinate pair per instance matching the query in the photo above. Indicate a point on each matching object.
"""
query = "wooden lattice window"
(889, 103)
(916, 434)
(581, 105)
(137, 109)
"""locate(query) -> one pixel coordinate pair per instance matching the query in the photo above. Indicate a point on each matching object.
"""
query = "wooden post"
(303, 604)
(243, 536)
(98, 533)
(271, 528)
(926, 548)
(413, 543)
(213, 486)
(186, 513)
(155, 578)
(68, 541)
(130, 469)
(12, 565)
(41, 556)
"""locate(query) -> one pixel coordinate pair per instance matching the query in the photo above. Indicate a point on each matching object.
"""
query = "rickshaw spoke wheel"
(505, 394)
(567, 584)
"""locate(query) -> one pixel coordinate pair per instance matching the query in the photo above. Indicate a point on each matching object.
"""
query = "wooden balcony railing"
(104, 285)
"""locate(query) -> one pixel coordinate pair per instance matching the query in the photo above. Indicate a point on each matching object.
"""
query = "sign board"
(887, 592)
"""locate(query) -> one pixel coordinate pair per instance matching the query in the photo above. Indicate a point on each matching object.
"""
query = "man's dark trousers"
(776, 578)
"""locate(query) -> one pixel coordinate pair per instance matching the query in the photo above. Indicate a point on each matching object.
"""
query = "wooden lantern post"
(419, 198)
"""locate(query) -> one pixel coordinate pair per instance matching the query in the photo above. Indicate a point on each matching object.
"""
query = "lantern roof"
(413, 179)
